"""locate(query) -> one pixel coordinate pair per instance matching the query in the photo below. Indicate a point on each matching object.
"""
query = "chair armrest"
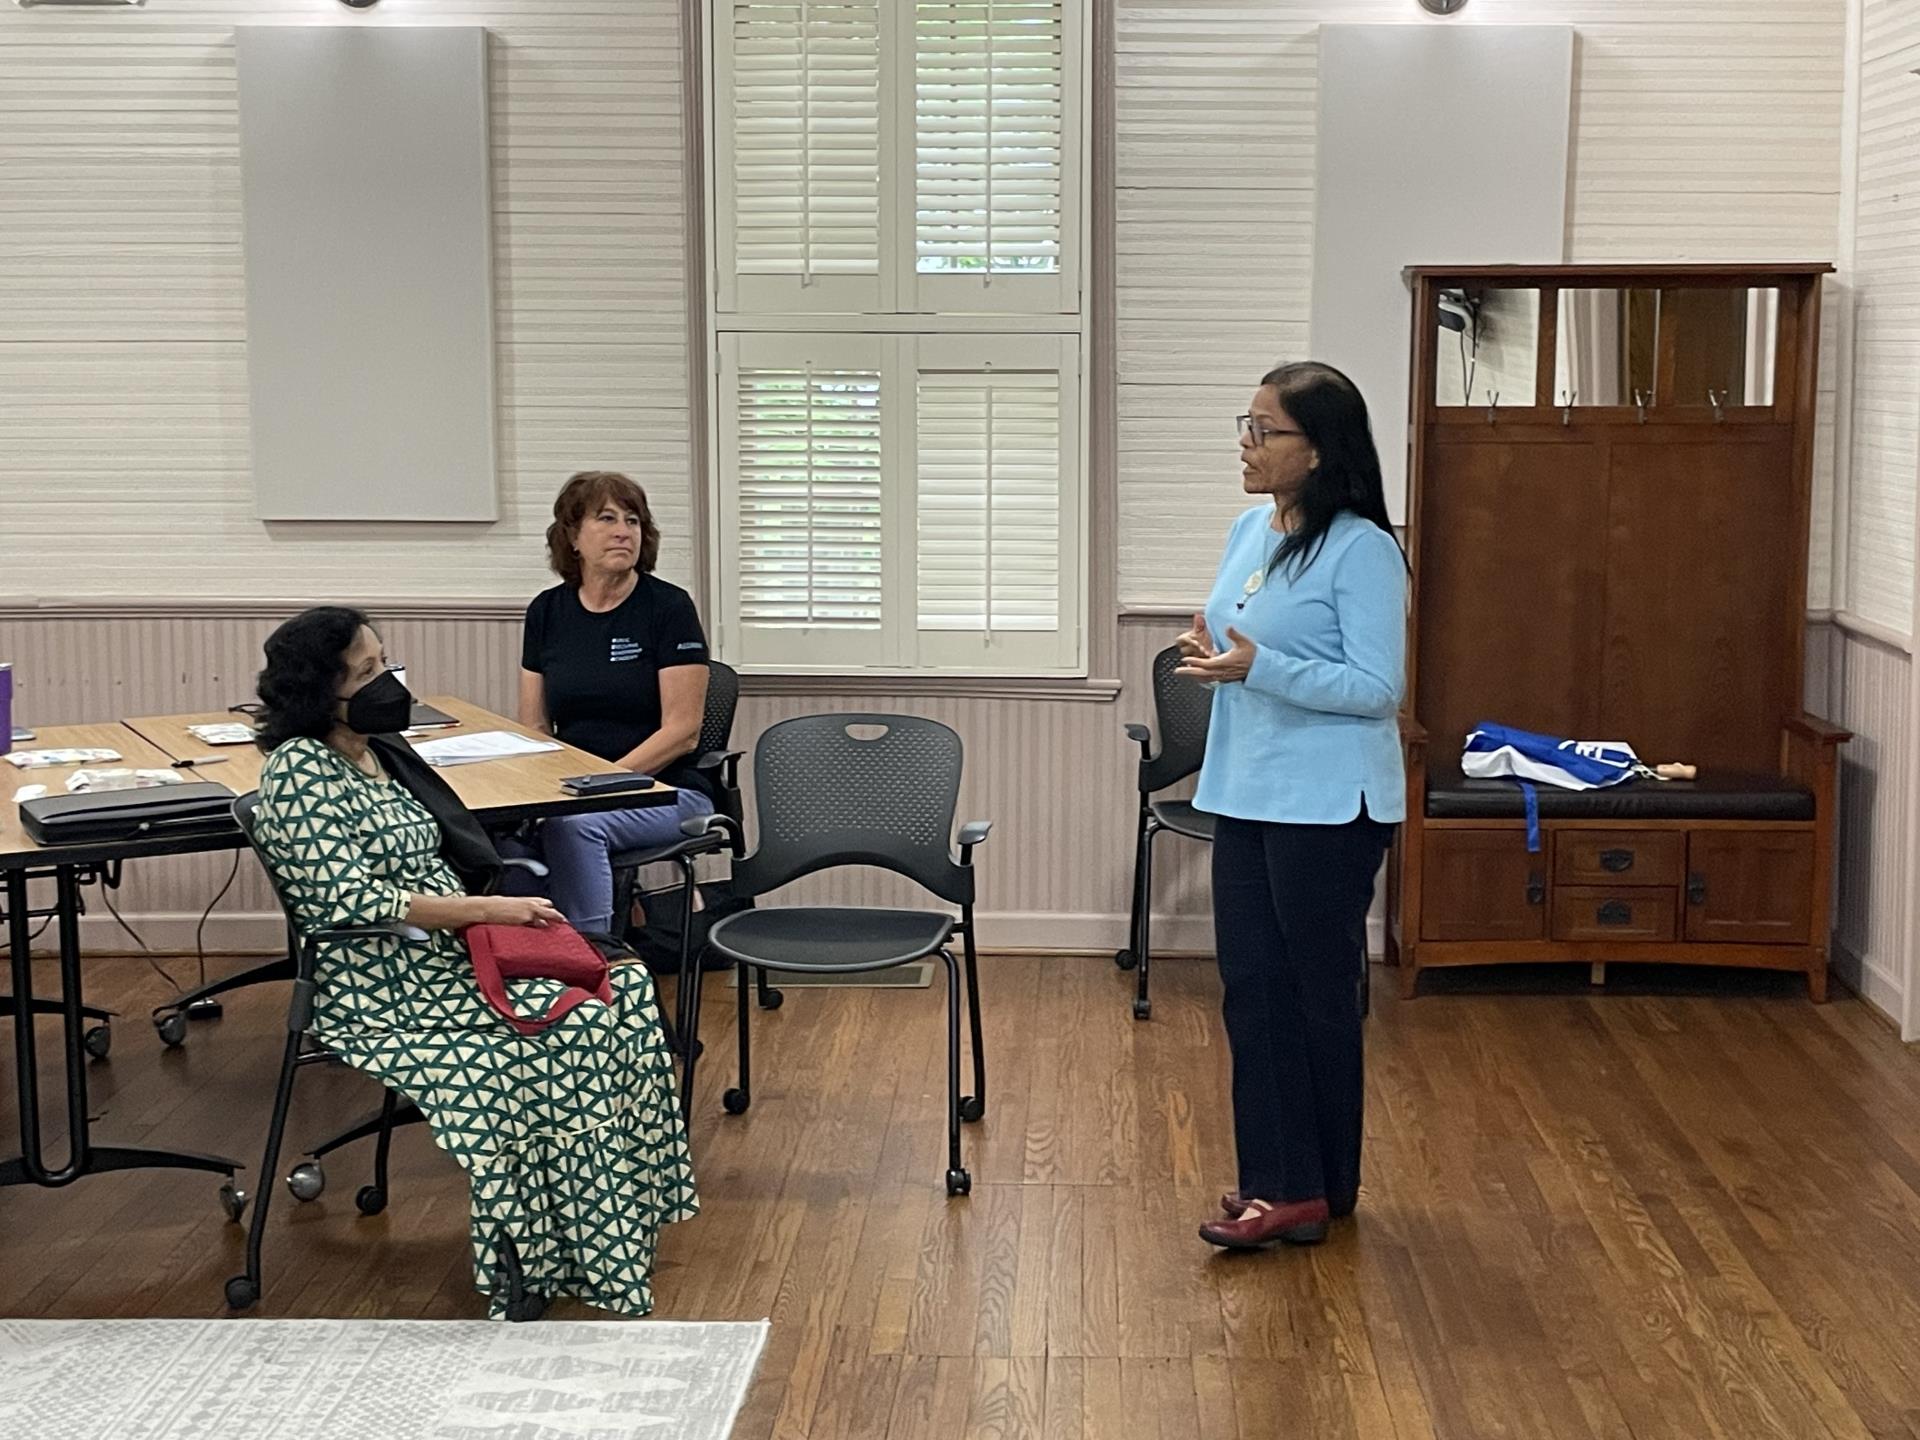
(1810, 755)
(725, 762)
(1142, 737)
(1413, 747)
(520, 862)
(300, 1006)
(1820, 732)
(312, 940)
(379, 929)
(973, 833)
(706, 842)
(702, 825)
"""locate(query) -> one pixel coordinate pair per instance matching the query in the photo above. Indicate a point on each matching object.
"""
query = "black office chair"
(722, 765)
(1183, 709)
(307, 1181)
(879, 790)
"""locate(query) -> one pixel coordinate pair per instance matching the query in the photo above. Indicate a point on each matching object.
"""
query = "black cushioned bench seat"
(1716, 795)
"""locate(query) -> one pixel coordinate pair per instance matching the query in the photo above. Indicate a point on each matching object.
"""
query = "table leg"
(30, 1166)
(26, 1067)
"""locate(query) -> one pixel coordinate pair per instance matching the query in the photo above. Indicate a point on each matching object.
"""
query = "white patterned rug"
(373, 1379)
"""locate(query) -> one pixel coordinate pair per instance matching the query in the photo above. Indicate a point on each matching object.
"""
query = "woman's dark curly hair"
(306, 657)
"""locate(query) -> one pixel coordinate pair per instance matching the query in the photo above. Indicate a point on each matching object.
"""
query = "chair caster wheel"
(242, 1293)
(773, 1000)
(735, 1102)
(972, 1108)
(959, 1182)
(233, 1201)
(370, 1200)
(172, 1028)
(1143, 1009)
(99, 1041)
(307, 1181)
(1125, 959)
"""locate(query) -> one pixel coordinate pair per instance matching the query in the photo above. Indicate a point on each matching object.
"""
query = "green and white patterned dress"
(573, 1136)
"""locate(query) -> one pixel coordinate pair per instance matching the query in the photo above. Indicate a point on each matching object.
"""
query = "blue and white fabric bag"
(1497, 752)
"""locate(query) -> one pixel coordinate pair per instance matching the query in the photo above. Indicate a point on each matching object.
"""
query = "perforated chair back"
(723, 698)
(880, 790)
(246, 814)
(1182, 709)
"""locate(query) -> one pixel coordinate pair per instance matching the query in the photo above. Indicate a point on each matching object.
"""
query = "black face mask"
(380, 707)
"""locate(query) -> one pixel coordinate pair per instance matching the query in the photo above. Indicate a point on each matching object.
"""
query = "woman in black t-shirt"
(613, 661)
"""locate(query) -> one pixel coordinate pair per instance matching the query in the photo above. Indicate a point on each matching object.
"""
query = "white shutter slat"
(809, 497)
(989, 501)
(990, 99)
(804, 139)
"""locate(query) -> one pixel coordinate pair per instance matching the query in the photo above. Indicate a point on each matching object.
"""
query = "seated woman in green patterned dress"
(572, 1137)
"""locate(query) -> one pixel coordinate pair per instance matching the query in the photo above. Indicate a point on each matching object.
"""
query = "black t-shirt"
(601, 673)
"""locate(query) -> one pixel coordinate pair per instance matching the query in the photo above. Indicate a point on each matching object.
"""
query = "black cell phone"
(606, 784)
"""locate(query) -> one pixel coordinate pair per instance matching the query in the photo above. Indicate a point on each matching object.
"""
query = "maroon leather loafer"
(1301, 1222)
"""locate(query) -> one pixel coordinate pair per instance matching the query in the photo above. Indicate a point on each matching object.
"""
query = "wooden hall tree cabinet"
(1610, 482)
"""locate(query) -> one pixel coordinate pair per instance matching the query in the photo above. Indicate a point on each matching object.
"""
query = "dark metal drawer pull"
(1537, 888)
(1614, 912)
(1616, 862)
(1696, 889)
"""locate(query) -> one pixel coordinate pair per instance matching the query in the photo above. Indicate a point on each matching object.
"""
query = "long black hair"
(1332, 414)
(306, 658)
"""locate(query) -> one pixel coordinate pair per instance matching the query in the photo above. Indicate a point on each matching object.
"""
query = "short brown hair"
(580, 497)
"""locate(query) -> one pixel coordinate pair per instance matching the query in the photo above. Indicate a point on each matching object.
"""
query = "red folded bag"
(526, 952)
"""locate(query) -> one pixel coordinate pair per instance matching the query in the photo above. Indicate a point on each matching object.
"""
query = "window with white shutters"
(996, 506)
(991, 136)
(896, 199)
(799, 125)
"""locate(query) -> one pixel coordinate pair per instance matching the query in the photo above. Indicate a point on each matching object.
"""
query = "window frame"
(1052, 311)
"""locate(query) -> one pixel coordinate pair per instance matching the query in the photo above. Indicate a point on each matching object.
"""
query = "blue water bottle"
(6, 707)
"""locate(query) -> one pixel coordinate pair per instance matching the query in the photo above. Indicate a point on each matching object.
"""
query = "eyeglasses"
(1252, 430)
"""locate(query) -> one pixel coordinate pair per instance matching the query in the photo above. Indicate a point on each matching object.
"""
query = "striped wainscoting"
(1055, 775)
(1874, 896)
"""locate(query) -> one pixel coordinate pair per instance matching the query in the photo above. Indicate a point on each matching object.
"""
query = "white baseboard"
(1172, 934)
(171, 933)
(241, 933)
(1867, 980)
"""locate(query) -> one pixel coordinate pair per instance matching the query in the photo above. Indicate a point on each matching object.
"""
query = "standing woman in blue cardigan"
(1304, 641)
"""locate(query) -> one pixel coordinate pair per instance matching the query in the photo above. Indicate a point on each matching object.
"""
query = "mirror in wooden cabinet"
(1710, 347)
(1489, 347)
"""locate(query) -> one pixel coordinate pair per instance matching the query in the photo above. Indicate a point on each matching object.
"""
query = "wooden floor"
(1685, 1207)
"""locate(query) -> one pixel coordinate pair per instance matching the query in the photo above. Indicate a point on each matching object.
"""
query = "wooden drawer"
(1623, 913)
(1482, 885)
(1750, 887)
(1612, 858)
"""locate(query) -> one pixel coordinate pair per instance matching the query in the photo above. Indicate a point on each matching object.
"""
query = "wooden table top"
(135, 752)
(518, 786)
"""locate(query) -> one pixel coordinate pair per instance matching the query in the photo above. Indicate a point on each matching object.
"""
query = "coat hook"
(1716, 400)
(1566, 407)
(1640, 403)
(1493, 403)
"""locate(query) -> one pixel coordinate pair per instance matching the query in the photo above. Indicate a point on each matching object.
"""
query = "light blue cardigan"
(1313, 729)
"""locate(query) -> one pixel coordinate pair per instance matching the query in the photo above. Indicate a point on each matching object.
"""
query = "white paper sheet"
(482, 745)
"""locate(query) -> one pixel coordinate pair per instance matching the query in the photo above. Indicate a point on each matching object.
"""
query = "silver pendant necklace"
(1257, 579)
